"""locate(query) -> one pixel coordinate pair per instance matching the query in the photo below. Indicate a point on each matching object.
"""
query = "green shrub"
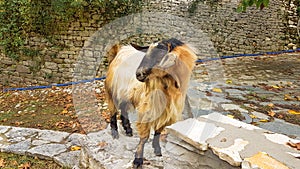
(18, 18)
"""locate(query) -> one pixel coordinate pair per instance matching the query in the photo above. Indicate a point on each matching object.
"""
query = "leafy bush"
(18, 18)
(247, 3)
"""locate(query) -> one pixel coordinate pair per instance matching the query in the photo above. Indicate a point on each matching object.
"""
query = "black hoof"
(158, 153)
(138, 163)
(129, 132)
(115, 134)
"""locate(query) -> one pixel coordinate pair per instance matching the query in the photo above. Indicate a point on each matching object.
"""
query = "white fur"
(124, 79)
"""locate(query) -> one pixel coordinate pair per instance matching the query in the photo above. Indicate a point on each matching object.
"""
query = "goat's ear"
(140, 48)
(177, 82)
(168, 61)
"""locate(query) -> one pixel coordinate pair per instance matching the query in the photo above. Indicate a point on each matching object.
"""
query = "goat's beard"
(158, 99)
(152, 106)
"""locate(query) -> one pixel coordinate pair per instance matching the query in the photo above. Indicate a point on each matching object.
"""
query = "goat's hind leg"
(125, 119)
(114, 126)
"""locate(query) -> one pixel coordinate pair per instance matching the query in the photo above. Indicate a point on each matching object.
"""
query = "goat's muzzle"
(142, 74)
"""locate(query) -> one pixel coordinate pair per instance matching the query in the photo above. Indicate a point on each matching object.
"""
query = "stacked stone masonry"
(272, 29)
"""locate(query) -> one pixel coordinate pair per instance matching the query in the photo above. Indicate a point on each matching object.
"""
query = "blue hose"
(198, 61)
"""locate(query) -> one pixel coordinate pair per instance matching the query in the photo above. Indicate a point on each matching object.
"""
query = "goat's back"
(121, 73)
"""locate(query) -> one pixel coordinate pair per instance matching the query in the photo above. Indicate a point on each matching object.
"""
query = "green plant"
(31, 52)
(48, 75)
(45, 18)
(12, 25)
(247, 3)
(194, 5)
(298, 7)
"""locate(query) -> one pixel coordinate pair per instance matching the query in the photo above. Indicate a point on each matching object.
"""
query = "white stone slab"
(47, 151)
(52, 136)
(280, 139)
(231, 154)
(227, 120)
(195, 132)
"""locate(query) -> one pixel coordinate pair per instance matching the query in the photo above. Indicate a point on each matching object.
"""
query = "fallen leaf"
(276, 87)
(18, 123)
(218, 90)
(271, 105)
(102, 144)
(228, 81)
(294, 112)
(208, 93)
(75, 148)
(280, 116)
(253, 116)
(65, 111)
(263, 120)
(67, 106)
(287, 97)
(294, 145)
(14, 163)
(230, 116)
(2, 163)
(25, 166)
(271, 113)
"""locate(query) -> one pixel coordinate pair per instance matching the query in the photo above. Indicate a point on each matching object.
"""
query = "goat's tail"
(111, 54)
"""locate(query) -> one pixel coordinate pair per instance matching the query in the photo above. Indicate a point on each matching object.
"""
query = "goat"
(154, 83)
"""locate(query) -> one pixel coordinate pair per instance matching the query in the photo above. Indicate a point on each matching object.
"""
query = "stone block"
(52, 136)
(195, 132)
(19, 148)
(262, 160)
(51, 65)
(22, 69)
(47, 151)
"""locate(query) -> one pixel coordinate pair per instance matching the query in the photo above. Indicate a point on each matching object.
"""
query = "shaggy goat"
(153, 81)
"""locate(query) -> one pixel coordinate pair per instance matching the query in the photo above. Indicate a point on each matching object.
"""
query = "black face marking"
(154, 55)
(140, 48)
(172, 43)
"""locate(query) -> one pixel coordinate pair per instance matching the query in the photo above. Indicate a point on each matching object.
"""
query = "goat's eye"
(165, 87)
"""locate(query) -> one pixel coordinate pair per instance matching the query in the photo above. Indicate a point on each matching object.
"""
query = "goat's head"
(164, 59)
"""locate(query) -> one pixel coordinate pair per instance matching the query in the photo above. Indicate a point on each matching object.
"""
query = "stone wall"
(82, 48)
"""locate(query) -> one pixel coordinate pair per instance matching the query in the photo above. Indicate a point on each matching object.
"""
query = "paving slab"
(45, 144)
(52, 136)
(47, 151)
(239, 142)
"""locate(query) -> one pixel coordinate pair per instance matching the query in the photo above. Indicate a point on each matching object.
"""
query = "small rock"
(47, 151)
(233, 107)
(20, 147)
(260, 115)
(39, 142)
(68, 159)
(52, 136)
(18, 105)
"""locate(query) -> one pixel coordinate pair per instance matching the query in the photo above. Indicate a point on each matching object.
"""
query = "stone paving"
(45, 144)
(250, 87)
(243, 87)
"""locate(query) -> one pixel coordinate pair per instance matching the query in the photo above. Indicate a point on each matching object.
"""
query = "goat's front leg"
(144, 132)
(139, 154)
(155, 143)
(114, 126)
